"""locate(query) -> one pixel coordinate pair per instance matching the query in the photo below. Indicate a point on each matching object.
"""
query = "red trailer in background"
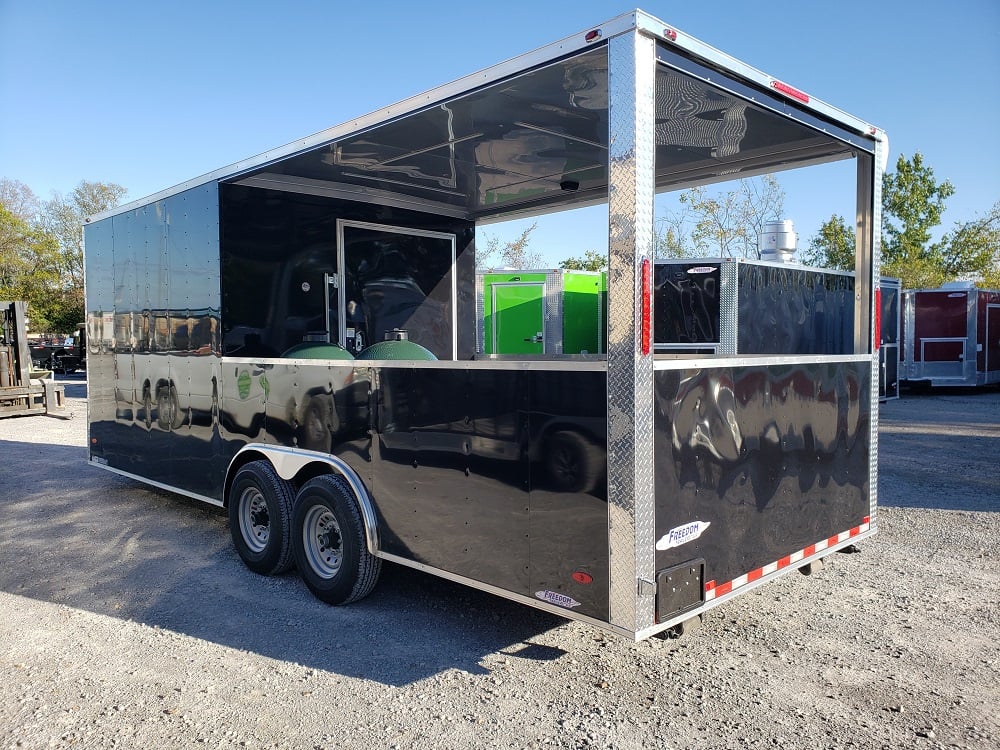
(951, 336)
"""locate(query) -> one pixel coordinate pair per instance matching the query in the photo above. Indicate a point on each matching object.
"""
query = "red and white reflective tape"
(713, 590)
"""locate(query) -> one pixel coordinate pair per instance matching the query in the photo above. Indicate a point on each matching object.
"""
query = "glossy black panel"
(889, 350)
(686, 301)
(100, 301)
(497, 475)
(786, 309)
(722, 116)
(569, 498)
(153, 347)
(774, 459)
(890, 314)
(508, 144)
(280, 245)
(450, 474)
(399, 280)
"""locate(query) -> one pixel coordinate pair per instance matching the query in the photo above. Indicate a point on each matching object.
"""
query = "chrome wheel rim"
(322, 542)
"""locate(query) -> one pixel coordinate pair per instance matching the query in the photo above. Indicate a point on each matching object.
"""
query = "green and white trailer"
(542, 312)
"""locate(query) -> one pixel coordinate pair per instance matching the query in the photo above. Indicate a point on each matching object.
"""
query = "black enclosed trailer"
(890, 334)
(738, 306)
(294, 337)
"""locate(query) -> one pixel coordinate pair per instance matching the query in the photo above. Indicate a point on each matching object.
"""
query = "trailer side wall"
(153, 350)
(769, 460)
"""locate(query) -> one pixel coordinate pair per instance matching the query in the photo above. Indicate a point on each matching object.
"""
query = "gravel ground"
(126, 620)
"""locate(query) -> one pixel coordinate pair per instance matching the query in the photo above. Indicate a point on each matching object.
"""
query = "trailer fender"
(298, 466)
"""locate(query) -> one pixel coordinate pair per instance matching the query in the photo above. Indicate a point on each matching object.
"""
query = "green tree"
(912, 205)
(670, 244)
(591, 261)
(41, 249)
(672, 235)
(62, 217)
(513, 254)
(19, 199)
(29, 268)
(727, 224)
(972, 250)
(832, 246)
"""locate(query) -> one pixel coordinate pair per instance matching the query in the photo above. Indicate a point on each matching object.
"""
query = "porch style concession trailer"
(294, 337)
(951, 336)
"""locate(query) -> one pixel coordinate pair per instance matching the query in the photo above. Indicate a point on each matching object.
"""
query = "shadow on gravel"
(90, 539)
(74, 385)
(928, 438)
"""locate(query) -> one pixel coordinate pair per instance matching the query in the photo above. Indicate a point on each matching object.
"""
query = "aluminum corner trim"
(632, 68)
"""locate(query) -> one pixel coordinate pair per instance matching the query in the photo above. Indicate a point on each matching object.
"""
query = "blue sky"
(149, 95)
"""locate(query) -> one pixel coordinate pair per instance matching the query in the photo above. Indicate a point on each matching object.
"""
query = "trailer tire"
(329, 542)
(573, 462)
(260, 515)
(55, 361)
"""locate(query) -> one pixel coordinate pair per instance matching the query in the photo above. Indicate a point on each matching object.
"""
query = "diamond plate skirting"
(554, 312)
(631, 80)
(729, 333)
(878, 166)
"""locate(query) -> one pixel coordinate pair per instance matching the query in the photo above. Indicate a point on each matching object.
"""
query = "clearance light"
(787, 90)
(670, 35)
(581, 576)
(647, 304)
(878, 318)
(592, 36)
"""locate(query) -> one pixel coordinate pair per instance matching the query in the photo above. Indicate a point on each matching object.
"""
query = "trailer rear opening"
(296, 338)
(951, 336)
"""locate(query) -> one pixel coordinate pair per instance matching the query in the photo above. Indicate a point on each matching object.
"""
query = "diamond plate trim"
(631, 123)
(480, 313)
(878, 166)
(729, 290)
(553, 315)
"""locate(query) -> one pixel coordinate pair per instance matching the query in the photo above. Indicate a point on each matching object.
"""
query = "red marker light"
(787, 90)
(878, 318)
(582, 577)
(592, 36)
(670, 35)
(647, 304)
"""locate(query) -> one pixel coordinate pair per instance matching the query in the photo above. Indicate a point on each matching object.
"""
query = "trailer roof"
(531, 133)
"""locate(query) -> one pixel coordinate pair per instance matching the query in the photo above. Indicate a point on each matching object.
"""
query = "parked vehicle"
(951, 336)
(554, 311)
(66, 355)
(632, 489)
